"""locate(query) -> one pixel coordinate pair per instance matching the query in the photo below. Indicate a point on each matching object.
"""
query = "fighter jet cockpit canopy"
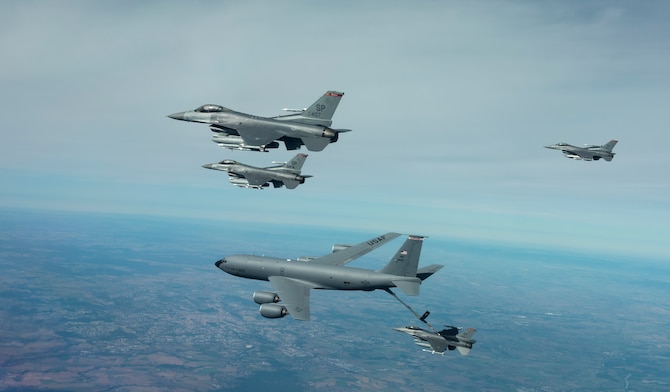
(227, 162)
(210, 108)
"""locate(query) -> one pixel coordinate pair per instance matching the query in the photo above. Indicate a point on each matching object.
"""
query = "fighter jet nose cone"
(177, 116)
(208, 166)
(218, 263)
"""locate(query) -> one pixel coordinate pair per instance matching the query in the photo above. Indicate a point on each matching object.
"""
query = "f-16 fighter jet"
(246, 176)
(586, 153)
(438, 342)
(292, 280)
(236, 130)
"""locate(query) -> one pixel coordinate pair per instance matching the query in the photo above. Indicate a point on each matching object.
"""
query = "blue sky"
(450, 103)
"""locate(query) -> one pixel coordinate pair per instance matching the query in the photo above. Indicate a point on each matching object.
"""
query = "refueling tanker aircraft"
(241, 131)
(245, 176)
(438, 342)
(589, 152)
(292, 280)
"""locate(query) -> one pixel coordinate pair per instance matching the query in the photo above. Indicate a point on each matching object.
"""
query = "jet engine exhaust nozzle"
(330, 134)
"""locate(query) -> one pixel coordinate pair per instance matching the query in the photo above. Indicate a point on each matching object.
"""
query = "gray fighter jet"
(587, 153)
(292, 280)
(241, 131)
(246, 176)
(438, 342)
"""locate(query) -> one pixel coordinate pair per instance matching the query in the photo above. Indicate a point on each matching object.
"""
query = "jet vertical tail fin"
(465, 337)
(467, 334)
(324, 107)
(406, 260)
(295, 164)
(319, 113)
(609, 145)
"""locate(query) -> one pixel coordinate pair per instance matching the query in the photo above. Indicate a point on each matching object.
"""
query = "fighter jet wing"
(294, 295)
(344, 256)
(254, 136)
(437, 343)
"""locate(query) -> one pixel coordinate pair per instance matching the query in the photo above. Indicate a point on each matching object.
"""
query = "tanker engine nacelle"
(338, 247)
(265, 297)
(273, 311)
